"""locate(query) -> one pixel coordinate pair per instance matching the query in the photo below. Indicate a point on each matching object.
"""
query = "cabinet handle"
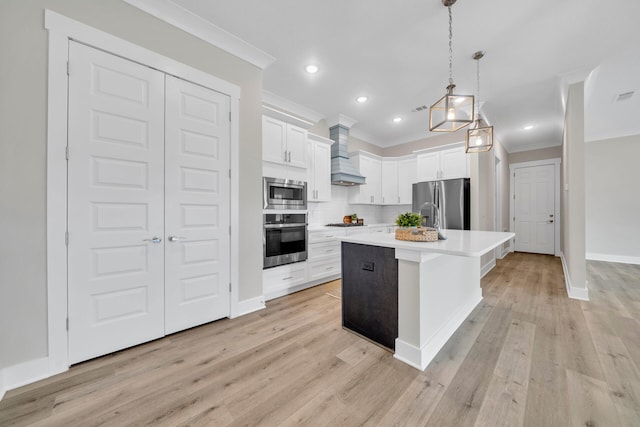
(288, 278)
(329, 250)
(289, 156)
(382, 199)
(330, 268)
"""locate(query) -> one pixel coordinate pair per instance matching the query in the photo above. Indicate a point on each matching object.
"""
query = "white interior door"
(534, 209)
(197, 205)
(115, 205)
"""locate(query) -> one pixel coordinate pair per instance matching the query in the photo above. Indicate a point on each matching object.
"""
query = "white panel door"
(534, 209)
(115, 204)
(197, 205)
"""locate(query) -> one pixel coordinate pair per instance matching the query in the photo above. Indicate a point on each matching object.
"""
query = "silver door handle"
(176, 238)
(154, 239)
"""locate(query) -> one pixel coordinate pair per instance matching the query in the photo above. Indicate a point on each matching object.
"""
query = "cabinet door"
(322, 172)
(296, 146)
(274, 133)
(370, 168)
(453, 164)
(389, 182)
(406, 178)
(428, 166)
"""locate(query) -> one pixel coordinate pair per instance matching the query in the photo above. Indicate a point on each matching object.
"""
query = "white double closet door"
(148, 204)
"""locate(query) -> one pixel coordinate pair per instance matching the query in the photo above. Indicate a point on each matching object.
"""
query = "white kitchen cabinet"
(454, 163)
(389, 182)
(282, 280)
(449, 163)
(283, 143)
(407, 176)
(428, 166)
(369, 166)
(323, 260)
(319, 177)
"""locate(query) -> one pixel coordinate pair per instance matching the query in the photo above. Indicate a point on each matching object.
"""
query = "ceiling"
(396, 53)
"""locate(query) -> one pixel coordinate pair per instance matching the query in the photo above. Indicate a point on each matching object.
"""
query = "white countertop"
(322, 227)
(459, 242)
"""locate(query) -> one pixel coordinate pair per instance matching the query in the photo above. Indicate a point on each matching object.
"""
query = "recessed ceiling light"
(397, 119)
(362, 99)
(311, 68)
(528, 127)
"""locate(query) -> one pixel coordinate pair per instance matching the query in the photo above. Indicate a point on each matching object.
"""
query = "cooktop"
(345, 224)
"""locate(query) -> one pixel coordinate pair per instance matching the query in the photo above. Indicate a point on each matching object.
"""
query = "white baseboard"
(420, 358)
(25, 373)
(575, 293)
(487, 267)
(247, 306)
(3, 389)
(613, 258)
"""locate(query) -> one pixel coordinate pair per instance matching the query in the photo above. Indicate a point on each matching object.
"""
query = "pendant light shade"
(480, 134)
(452, 111)
(479, 137)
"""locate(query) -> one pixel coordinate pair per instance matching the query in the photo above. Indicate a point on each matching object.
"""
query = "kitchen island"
(438, 286)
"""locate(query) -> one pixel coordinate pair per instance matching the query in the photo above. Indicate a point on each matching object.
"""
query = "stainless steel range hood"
(342, 170)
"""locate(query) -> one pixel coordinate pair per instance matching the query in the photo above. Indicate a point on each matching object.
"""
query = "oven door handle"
(284, 225)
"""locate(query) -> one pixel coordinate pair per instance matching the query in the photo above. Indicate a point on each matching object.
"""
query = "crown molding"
(187, 21)
(276, 102)
(340, 119)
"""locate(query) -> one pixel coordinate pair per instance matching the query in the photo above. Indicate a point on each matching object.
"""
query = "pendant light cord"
(450, 48)
(478, 77)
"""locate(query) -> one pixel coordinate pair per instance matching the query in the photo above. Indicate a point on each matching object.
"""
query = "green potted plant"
(408, 219)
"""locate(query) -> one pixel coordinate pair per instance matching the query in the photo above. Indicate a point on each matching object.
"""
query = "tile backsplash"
(321, 213)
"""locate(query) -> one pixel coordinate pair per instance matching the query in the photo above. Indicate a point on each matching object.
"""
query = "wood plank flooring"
(526, 356)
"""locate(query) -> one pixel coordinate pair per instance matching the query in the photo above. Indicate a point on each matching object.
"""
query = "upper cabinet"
(450, 163)
(319, 178)
(389, 180)
(283, 143)
(407, 176)
(369, 166)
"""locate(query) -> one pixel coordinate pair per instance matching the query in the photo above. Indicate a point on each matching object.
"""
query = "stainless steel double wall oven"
(284, 237)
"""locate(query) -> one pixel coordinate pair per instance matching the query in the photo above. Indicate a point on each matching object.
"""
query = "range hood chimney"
(342, 170)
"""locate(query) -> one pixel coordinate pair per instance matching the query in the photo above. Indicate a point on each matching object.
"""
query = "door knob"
(550, 221)
(154, 239)
(176, 238)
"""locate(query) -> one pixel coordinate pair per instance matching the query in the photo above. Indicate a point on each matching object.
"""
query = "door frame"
(60, 30)
(555, 162)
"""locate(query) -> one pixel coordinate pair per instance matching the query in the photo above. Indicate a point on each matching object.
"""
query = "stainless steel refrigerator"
(450, 197)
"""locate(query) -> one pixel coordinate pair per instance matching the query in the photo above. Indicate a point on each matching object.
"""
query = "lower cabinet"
(278, 281)
(322, 265)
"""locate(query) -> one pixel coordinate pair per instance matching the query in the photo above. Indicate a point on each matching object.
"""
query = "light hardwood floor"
(527, 355)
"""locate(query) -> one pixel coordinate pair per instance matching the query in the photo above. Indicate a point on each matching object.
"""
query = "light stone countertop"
(322, 227)
(459, 242)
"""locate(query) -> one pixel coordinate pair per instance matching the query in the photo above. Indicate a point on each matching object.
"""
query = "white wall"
(23, 149)
(613, 199)
(573, 194)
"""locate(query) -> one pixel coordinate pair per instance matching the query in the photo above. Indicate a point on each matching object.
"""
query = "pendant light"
(451, 112)
(479, 135)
